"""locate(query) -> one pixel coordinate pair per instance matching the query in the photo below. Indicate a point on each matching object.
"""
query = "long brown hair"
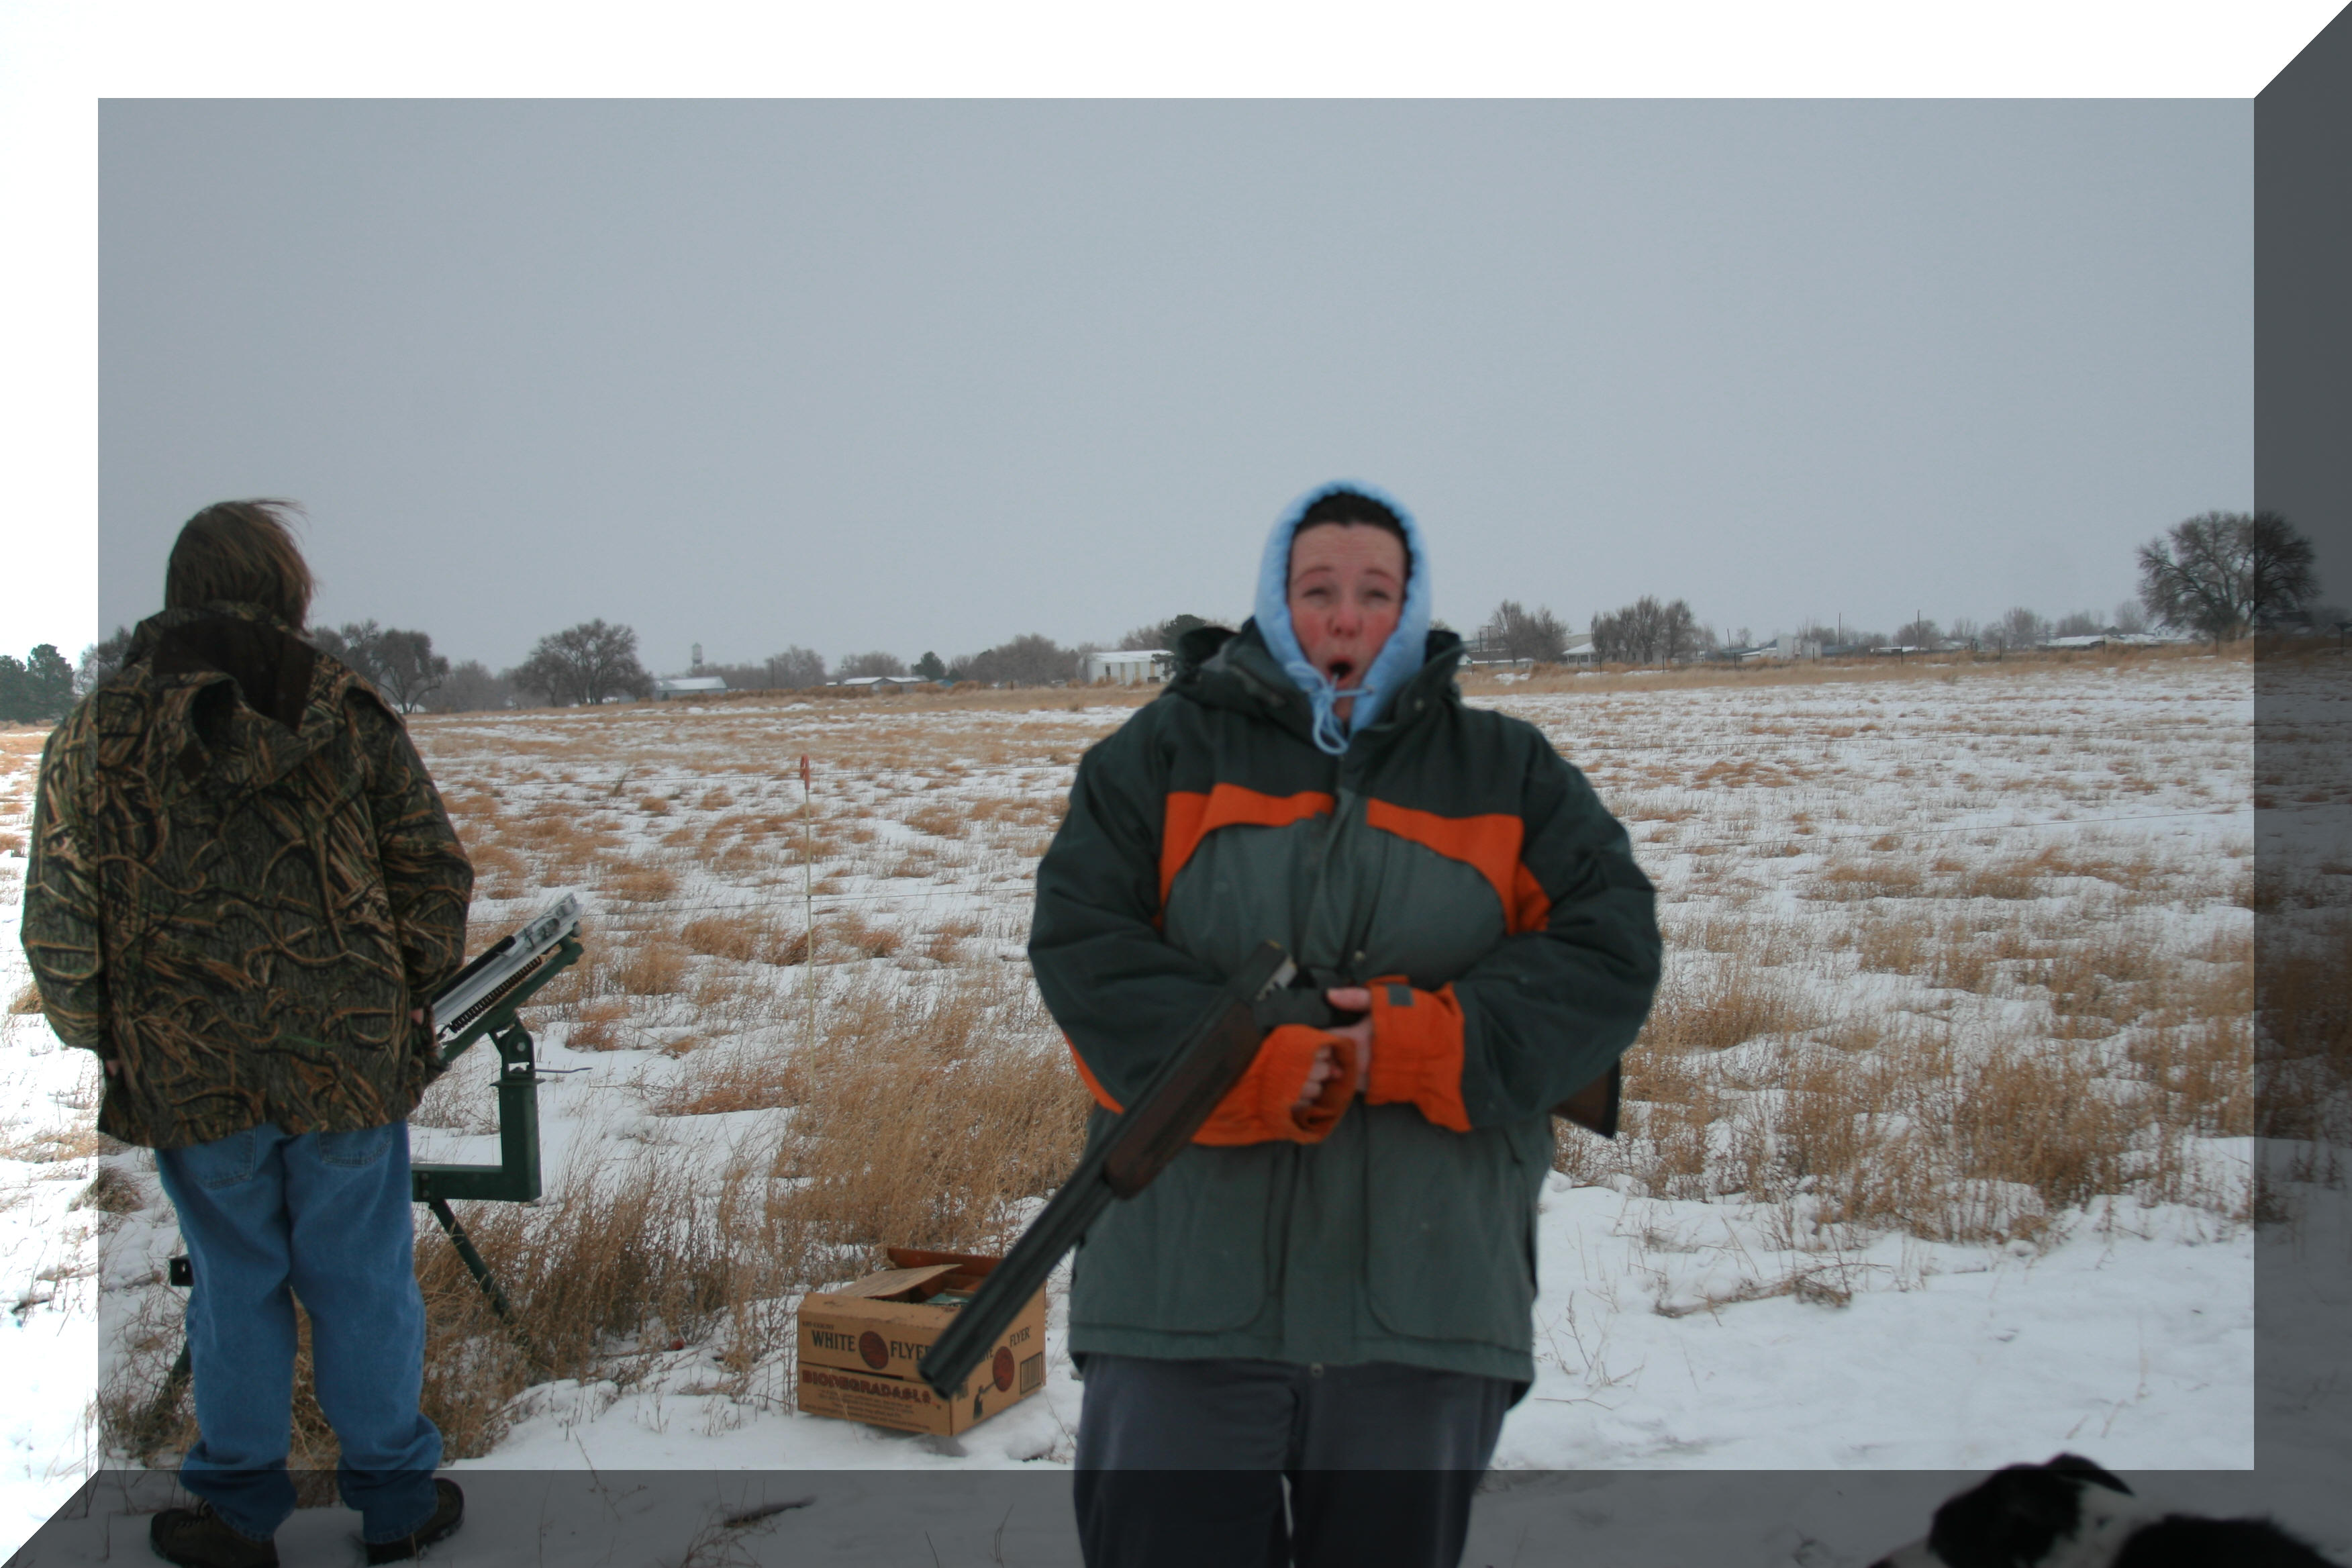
(242, 551)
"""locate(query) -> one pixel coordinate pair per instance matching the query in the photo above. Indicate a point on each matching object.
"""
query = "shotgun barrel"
(1133, 1149)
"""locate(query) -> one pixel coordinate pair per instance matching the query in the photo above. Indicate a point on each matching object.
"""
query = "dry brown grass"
(944, 820)
(926, 1114)
(1844, 880)
(743, 937)
(650, 966)
(498, 872)
(614, 1267)
(1715, 1006)
(2304, 1035)
(641, 882)
(723, 1078)
(52, 1145)
(600, 1024)
(851, 935)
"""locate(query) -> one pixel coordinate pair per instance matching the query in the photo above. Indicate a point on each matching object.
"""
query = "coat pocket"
(1186, 1255)
(1451, 1216)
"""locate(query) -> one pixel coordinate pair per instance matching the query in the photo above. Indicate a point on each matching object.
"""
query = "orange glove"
(1417, 1052)
(1258, 1109)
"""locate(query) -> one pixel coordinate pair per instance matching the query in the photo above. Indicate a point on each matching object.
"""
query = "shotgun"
(1154, 1128)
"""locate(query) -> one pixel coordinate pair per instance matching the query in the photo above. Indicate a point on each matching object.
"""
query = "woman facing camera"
(1331, 1290)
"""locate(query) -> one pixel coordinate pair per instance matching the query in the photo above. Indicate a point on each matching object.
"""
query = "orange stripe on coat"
(1192, 817)
(1102, 1097)
(1488, 843)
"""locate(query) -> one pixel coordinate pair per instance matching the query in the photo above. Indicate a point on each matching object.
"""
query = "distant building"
(670, 686)
(1480, 651)
(1129, 666)
(1781, 648)
(869, 685)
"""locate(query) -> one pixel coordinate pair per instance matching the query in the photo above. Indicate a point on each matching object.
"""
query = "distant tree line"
(38, 689)
(2218, 575)
(1648, 632)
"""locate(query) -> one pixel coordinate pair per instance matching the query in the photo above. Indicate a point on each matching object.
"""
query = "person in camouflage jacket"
(242, 895)
(241, 885)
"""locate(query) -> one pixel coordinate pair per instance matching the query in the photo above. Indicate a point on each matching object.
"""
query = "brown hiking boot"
(199, 1538)
(448, 1513)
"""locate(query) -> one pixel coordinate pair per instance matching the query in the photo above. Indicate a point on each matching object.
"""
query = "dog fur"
(2070, 1513)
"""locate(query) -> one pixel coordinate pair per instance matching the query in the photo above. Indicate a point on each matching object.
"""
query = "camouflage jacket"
(241, 881)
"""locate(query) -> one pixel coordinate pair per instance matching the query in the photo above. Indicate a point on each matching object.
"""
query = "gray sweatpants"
(1183, 1463)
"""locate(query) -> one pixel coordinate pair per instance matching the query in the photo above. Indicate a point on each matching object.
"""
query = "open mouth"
(1338, 670)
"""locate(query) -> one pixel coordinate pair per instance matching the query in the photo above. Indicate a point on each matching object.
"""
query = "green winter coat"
(1450, 855)
(241, 881)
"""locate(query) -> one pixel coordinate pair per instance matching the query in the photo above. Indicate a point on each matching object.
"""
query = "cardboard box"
(861, 1347)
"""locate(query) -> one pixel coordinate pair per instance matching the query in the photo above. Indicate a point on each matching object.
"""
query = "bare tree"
(1516, 632)
(408, 670)
(400, 664)
(472, 688)
(1678, 632)
(1920, 633)
(2077, 623)
(859, 665)
(2280, 575)
(1160, 634)
(591, 662)
(1034, 660)
(1607, 639)
(1965, 632)
(352, 645)
(796, 668)
(1645, 632)
(2130, 618)
(2223, 572)
(2021, 627)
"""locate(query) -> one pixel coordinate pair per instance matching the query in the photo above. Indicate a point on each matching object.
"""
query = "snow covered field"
(1938, 1156)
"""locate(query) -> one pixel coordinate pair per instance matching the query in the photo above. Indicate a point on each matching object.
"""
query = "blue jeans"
(268, 1216)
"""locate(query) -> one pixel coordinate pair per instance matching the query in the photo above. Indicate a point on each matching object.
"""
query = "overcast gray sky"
(929, 375)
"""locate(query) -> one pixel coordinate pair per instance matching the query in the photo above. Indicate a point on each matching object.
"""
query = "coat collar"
(1221, 668)
(235, 694)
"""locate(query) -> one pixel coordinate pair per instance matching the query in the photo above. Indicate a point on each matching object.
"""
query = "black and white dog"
(2070, 1513)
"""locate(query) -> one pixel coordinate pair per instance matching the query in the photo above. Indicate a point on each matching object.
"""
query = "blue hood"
(1398, 657)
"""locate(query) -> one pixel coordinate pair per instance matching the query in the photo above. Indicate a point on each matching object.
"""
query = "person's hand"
(1327, 1065)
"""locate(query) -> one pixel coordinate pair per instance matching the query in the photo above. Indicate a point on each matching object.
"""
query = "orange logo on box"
(1003, 1367)
(873, 1350)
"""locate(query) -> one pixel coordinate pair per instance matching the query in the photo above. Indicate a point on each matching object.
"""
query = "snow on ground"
(1692, 1330)
(49, 1101)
